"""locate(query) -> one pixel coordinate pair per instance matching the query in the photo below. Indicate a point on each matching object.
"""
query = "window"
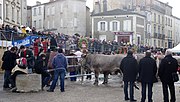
(13, 14)
(154, 28)
(127, 25)
(159, 21)
(40, 23)
(53, 24)
(75, 22)
(159, 29)
(114, 26)
(48, 24)
(159, 43)
(18, 16)
(39, 10)
(53, 10)
(149, 16)
(168, 21)
(61, 8)
(154, 42)
(148, 28)
(61, 25)
(154, 17)
(0, 11)
(102, 26)
(48, 11)
(34, 11)
(35, 24)
(7, 11)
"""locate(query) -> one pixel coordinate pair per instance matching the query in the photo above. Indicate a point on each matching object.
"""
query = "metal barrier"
(82, 70)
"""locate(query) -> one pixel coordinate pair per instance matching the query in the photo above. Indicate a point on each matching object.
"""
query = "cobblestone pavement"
(86, 92)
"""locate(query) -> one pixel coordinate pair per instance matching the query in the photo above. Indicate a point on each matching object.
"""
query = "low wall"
(28, 82)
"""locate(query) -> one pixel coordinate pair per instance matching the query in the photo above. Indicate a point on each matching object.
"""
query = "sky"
(173, 3)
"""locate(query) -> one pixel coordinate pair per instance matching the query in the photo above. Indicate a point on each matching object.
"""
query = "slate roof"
(117, 12)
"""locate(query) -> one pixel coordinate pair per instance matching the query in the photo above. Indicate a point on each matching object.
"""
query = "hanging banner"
(26, 41)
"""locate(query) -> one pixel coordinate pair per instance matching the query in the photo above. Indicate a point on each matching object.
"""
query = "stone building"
(176, 29)
(1, 11)
(88, 23)
(38, 16)
(15, 12)
(159, 21)
(119, 25)
(29, 16)
(66, 16)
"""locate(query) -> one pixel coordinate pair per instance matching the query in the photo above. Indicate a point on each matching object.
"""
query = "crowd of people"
(72, 42)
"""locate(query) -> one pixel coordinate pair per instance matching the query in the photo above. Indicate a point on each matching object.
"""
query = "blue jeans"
(150, 85)
(73, 78)
(131, 90)
(57, 73)
(7, 75)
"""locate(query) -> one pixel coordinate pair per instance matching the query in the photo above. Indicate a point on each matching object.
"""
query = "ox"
(105, 64)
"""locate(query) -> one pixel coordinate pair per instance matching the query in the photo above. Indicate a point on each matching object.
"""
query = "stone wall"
(28, 82)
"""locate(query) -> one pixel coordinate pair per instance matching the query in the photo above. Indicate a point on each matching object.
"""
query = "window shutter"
(106, 26)
(111, 26)
(99, 26)
(118, 26)
(129, 25)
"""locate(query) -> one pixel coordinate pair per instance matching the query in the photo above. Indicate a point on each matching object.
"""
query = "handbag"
(175, 77)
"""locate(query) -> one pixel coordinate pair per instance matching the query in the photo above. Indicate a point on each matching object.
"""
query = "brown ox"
(105, 64)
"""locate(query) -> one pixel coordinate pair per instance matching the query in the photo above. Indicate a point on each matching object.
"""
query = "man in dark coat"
(41, 68)
(129, 67)
(168, 66)
(9, 62)
(147, 75)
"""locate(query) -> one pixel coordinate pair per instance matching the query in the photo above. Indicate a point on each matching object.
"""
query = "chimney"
(97, 7)
(104, 5)
(38, 3)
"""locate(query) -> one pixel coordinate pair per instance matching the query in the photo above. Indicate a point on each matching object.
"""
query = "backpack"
(22, 63)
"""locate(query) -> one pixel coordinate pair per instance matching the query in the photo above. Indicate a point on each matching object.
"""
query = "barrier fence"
(82, 69)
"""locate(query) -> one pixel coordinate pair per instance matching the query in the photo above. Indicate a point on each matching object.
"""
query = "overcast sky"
(174, 3)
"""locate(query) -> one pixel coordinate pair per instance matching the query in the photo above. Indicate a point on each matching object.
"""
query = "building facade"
(29, 16)
(1, 12)
(119, 25)
(159, 21)
(88, 23)
(14, 11)
(23, 12)
(38, 16)
(176, 22)
(66, 16)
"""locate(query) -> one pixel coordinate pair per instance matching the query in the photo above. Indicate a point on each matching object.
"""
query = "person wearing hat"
(129, 68)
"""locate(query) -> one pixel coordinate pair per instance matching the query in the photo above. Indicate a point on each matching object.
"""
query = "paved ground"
(76, 92)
